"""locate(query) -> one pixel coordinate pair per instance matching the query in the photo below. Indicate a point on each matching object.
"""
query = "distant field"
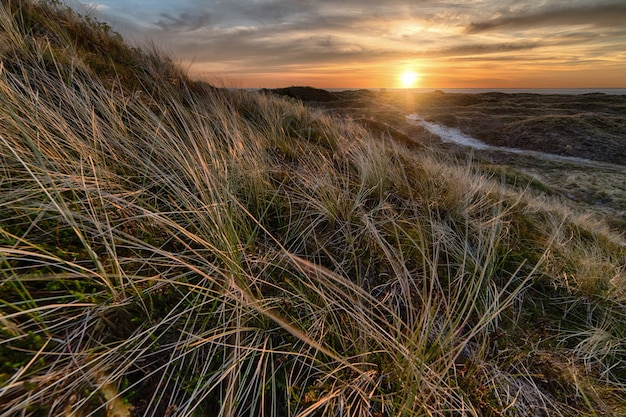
(590, 126)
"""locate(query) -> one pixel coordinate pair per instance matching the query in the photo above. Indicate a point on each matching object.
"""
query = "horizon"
(568, 90)
(329, 44)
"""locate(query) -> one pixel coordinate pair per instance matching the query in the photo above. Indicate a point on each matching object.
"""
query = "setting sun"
(408, 79)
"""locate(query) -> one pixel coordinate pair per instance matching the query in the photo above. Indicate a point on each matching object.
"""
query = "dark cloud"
(303, 51)
(183, 22)
(268, 12)
(598, 15)
(480, 49)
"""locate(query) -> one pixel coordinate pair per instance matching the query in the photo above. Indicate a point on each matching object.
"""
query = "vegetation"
(169, 248)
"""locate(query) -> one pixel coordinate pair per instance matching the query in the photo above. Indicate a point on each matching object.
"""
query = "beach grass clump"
(185, 250)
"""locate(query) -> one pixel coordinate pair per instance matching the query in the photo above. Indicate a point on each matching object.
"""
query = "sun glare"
(408, 79)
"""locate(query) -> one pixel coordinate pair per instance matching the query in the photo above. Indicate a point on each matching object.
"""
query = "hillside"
(571, 146)
(168, 248)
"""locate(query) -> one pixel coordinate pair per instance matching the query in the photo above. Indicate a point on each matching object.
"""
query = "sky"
(383, 43)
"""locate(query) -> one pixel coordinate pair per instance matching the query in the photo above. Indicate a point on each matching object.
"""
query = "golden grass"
(185, 250)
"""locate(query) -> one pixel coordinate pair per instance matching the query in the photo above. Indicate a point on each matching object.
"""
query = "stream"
(453, 135)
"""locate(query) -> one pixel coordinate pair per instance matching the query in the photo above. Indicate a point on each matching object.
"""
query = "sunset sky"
(379, 43)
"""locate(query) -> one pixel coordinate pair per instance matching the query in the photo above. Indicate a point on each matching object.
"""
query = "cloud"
(480, 49)
(245, 48)
(598, 15)
(344, 37)
(183, 22)
(292, 36)
(96, 6)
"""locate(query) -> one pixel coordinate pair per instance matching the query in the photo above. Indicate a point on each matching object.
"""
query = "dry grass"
(189, 251)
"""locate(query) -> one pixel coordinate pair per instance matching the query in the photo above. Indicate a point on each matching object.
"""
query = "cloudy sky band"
(258, 43)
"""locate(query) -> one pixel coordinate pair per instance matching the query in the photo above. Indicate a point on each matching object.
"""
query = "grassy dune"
(172, 249)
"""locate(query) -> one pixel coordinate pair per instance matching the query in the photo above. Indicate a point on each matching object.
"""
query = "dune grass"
(170, 248)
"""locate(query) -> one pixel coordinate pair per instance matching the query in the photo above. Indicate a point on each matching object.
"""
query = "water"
(453, 135)
(449, 134)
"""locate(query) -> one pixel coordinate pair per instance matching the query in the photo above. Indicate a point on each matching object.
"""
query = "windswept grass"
(175, 249)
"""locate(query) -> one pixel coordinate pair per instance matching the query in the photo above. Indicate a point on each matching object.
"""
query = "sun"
(408, 79)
